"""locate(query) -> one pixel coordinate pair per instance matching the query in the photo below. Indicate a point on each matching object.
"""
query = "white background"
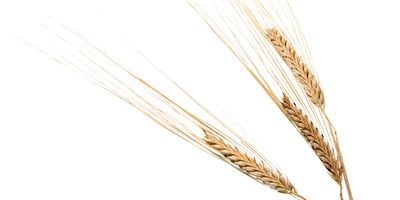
(63, 138)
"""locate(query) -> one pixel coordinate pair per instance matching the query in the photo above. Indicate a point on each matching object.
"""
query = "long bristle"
(221, 142)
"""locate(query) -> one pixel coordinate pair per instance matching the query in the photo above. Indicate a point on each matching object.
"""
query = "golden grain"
(299, 69)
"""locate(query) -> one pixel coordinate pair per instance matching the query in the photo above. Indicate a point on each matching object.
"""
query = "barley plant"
(267, 40)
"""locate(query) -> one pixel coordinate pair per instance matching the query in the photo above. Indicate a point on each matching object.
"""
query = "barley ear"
(299, 69)
(314, 138)
(250, 166)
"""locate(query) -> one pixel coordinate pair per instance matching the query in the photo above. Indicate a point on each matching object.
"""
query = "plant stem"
(298, 196)
(345, 176)
(341, 191)
(346, 180)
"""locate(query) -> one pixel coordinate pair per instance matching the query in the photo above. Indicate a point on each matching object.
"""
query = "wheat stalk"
(260, 171)
(299, 69)
(316, 140)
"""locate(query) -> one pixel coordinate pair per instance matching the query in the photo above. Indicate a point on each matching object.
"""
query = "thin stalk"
(341, 191)
(298, 196)
(345, 176)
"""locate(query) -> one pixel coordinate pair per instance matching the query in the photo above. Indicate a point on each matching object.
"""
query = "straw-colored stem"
(297, 196)
(340, 156)
(346, 180)
(345, 176)
(341, 191)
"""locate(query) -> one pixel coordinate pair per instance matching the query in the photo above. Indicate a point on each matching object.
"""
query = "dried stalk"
(299, 69)
(316, 140)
